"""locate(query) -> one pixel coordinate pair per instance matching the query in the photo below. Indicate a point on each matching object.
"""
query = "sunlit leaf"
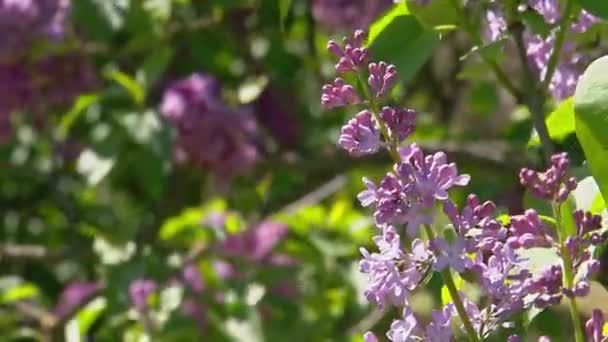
(591, 112)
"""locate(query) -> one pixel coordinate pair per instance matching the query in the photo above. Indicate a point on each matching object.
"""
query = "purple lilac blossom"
(404, 196)
(33, 88)
(139, 291)
(369, 337)
(352, 56)
(440, 329)
(347, 14)
(193, 278)
(527, 231)
(360, 135)
(595, 327)
(400, 122)
(539, 49)
(402, 330)
(552, 184)
(210, 134)
(24, 21)
(382, 78)
(73, 296)
(255, 244)
(450, 254)
(339, 94)
(391, 275)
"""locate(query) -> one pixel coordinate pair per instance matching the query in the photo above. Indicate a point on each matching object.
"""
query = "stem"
(501, 76)
(559, 43)
(568, 277)
(392, 146)
(446, 275)
(534, 97)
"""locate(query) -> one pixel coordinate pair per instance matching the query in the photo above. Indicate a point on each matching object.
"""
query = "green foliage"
(560, 123)
(415, 44)
(597, 8)
(591, 111)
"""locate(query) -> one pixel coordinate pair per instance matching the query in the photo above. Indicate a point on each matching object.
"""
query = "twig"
(533, 97)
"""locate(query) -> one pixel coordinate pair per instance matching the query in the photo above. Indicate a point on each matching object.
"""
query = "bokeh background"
(167, 169)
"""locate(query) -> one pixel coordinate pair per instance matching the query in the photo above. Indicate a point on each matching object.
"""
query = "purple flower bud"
(256, 243)
(527, 231)
(382, 77)
(593, 267)
(360, 135)
(74, 295)
(401, 330)
(352, 56)
(369, 337)
(339, 94)
(192, 277)
(496, 25)
(551, 184)
(514, 338)
(400, 122)
(347, 14)
(139, 291)
(595, 327)
(582, 289)
(544, 339)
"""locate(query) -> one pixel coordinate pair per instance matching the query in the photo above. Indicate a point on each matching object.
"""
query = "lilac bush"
(408, 201)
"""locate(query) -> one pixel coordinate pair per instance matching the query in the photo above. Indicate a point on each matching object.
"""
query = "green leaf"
(82, 103)
(598, 204)
(591, 120)
(19, 292)
(536, 22)
(437, 13)
(406, 44)
(155, 64)
(381, 23)
(135, 90)
(567, 224)
(87, 316)
(596, 7)
(284, 8)
(560, 123)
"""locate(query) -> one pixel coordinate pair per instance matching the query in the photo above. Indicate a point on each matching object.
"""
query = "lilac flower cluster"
(347, 14)
(539, 48)
(73, 296)
(23, 22)
(139, 292)
(30, 85)
(210, 134)
(480, 244)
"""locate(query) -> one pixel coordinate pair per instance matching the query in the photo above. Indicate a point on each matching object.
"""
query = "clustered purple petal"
(139, 291)
(23, 22)
(73, 296)
(210, 134)
(339, 94)
(352, 56)
(595, 327)
(553, 184)
(539, 49)
(360, 135)
(400, 122)
(382, 78)
(347, 14)
(29, 83)
(488, 248)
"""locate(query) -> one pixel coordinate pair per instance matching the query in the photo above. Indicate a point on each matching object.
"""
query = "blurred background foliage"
(91, 193)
